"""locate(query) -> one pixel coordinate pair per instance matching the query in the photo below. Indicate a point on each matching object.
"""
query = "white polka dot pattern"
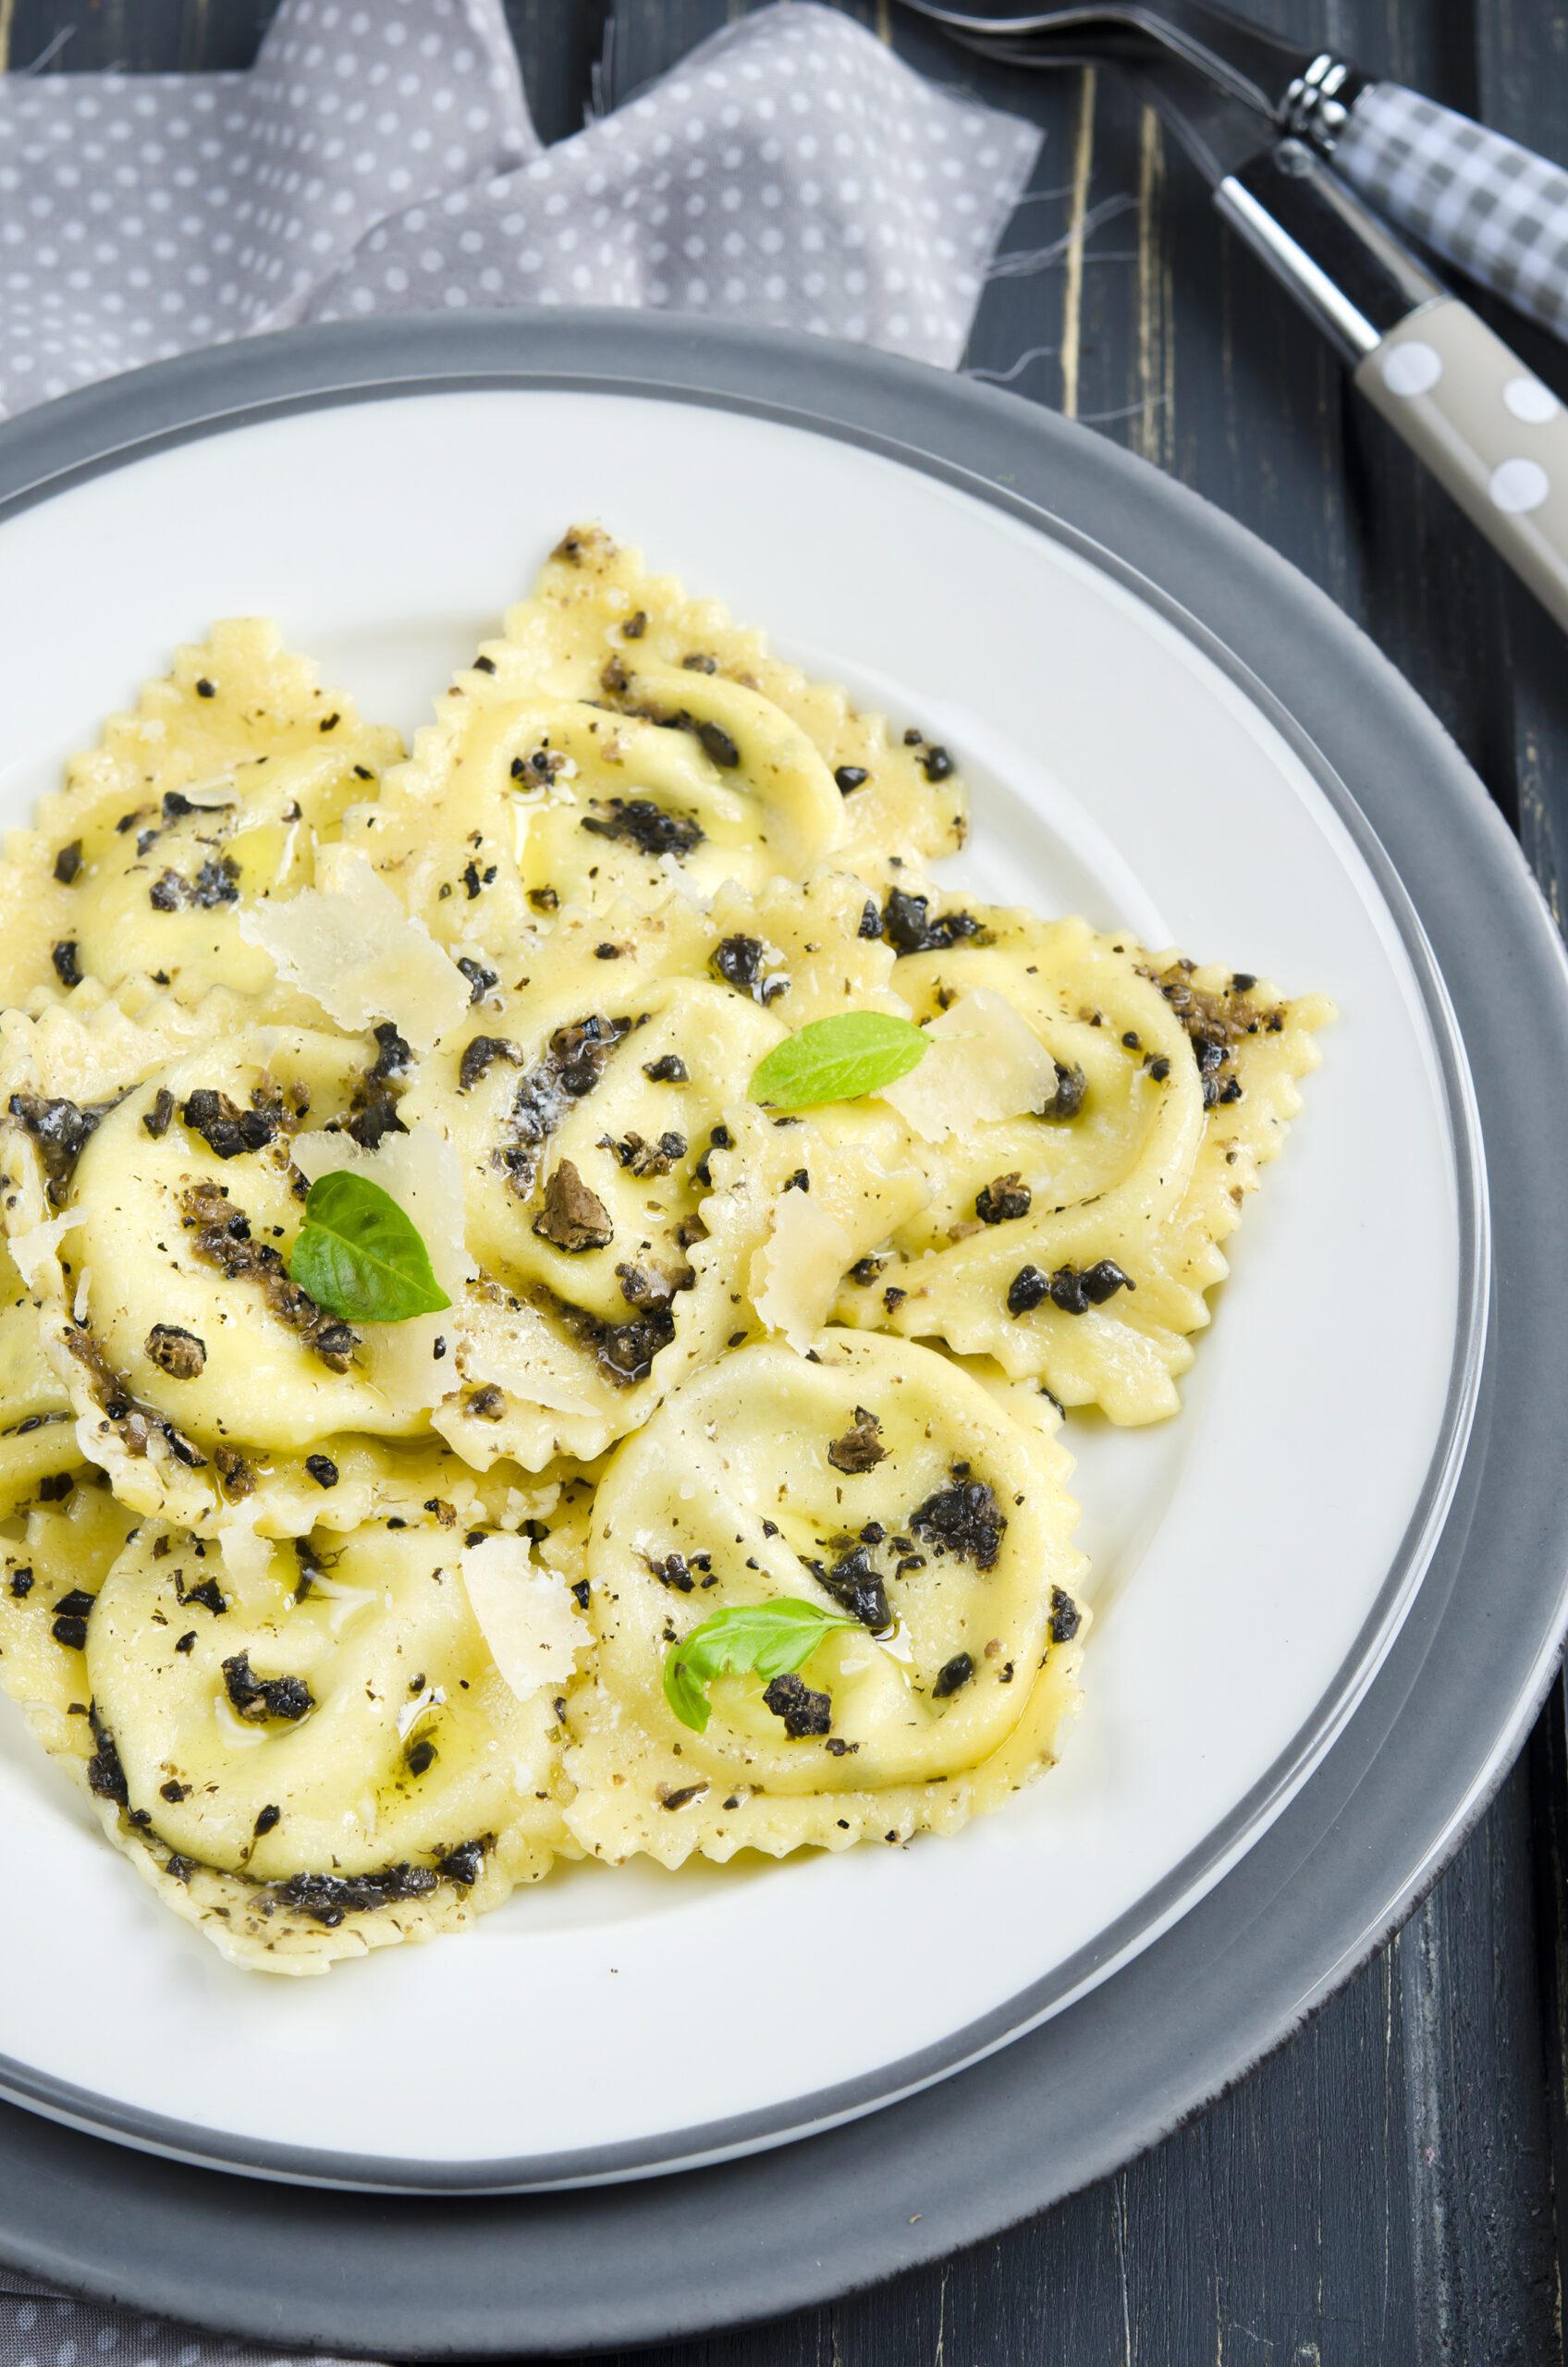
(38, 2329)
(379, 158)
(1530, 400)
(142, 215)
(1412, 368)
(1491, 434)
(1519, 485)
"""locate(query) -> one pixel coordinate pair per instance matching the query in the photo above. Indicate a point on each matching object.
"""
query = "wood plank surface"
(1387, 2191)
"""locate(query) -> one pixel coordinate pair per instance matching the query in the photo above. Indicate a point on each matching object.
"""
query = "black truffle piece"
(962, 1520)
(803, 1710)
(178, 1353)
(258, 1698)
(861, 1447)
(1005, 1198)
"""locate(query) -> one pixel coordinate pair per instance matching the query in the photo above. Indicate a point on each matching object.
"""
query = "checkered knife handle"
(1497, 212)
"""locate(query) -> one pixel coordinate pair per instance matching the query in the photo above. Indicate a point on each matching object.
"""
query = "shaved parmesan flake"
(526, 1616)
(343, 1602)
(511, 1346)
(214, 795)
(352, 947)
(870, 1201)
(34, 1251)
(983, 1064)
(796, 1273)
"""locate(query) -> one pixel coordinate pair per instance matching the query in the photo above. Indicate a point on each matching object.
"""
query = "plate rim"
(1174, 1892)
(1094, 467)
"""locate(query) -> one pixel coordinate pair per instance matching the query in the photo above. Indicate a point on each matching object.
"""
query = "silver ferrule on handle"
(1317, 105)
(1345, 266)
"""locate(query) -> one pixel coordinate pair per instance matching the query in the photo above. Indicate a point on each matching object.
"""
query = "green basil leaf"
(837, 1059)
(769, 1638)
(360, 1256)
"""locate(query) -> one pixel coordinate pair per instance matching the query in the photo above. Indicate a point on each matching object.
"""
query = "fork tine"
(1025, 22)
(1237, 55)
(1050, 50)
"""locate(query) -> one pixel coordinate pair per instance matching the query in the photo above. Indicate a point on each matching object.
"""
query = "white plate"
(1244, 1555)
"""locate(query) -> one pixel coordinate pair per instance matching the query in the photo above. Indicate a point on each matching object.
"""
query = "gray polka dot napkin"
(380, 159)
(40, 2329)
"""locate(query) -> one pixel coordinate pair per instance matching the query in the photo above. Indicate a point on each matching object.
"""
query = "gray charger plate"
(645, 2261)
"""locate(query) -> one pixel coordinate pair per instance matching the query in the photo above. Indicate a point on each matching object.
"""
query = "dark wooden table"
(1389, 2187)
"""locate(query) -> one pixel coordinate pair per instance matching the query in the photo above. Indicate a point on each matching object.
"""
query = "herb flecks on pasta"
(542, 1276)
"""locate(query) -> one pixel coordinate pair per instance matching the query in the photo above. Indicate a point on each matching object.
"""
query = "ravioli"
(37, 1439)
(558, 1153)
(212, 794)
(316, 1763)
(214, 1389)
(868, 1476)
(596, 608)
(619, 738)
(699, 1486)
(1074, 1240)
